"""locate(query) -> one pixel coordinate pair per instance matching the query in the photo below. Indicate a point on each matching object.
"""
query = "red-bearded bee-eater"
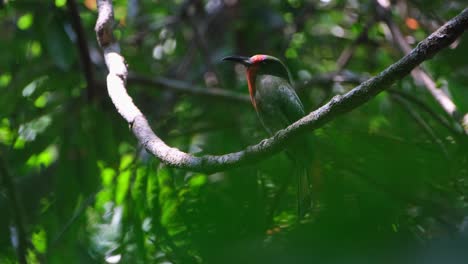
(277, 106)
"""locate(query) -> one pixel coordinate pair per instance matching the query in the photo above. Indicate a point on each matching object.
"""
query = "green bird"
(277, 106)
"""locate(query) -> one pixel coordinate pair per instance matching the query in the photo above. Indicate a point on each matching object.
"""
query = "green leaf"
(197, 180)
(39, 241)
(45, 158)
(25, 21)
(5, 79)
(123, 183)
(60, 3)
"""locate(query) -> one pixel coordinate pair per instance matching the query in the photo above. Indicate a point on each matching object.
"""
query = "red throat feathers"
(252, 75)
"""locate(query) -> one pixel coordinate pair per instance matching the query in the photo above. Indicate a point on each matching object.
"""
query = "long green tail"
(301, 153)
(304, 197)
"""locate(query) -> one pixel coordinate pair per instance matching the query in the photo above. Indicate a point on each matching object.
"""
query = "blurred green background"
(389, 178)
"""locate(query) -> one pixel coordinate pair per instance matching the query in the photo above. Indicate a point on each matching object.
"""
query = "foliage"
(385, 183)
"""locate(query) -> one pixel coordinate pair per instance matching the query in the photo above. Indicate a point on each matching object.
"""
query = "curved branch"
(336, 106)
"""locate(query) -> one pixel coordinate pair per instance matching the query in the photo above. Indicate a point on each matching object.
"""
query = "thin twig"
(421, 122)
(83, 48)
(423, 106)
(348, 52)
(338, 105)
(330, 78)
(184, 87)
(79, 212)
(200, 36)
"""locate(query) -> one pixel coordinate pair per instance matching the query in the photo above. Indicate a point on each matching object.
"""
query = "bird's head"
(260, 65)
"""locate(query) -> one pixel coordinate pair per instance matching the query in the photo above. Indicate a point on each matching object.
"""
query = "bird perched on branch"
(277, 106)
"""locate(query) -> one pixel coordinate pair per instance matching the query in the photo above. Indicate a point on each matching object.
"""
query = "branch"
(209, 163)
(421, 76)
(352, 78)
(82, 48)
(224, 94)
(330, 78)
(184, 87)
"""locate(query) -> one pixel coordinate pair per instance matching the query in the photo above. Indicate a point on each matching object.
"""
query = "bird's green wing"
(290, 104)
(298, 149)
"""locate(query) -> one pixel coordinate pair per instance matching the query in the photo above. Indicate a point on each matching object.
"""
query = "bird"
(277, 105)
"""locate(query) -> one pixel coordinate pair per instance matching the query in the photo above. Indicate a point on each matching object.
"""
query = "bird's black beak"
(239, 59)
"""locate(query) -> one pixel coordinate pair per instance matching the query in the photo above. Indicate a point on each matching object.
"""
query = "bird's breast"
(267, 91)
